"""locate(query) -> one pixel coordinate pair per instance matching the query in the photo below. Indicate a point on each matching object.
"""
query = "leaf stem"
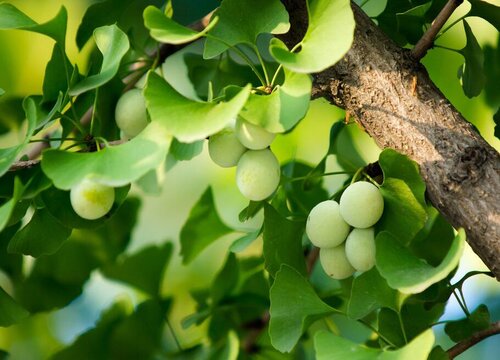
(280, 66)
(318, 176)
(371, 180)
(446, 48)
(379, 334)
(450, 26)
(464, 309)
(242, 55)
(75, 123)
(174, 336)
(93, 112)
(266, 76)
(402, 327)
(364, 3)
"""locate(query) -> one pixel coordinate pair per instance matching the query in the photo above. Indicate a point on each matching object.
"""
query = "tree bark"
(375, 82)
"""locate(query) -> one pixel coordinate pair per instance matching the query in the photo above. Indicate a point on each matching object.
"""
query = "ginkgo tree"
(391, 255)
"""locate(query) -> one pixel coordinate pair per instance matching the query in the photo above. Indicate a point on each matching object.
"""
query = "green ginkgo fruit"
(335, 263)
(130, 113)
(258, 174)
(325, 227)
(92, 200)
(252, 136)
(361, 204)
(360, 248)
(225, 149)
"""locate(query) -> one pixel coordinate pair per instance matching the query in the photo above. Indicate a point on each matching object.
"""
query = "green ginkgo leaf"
(294, 307)
(241, 21)
(487, 11)
(186, 119)
(408, 273)
(8, 207)
(328, 38)
(10, 311)
(284, 107)
(113, 166)
(329, 346)
(10, 154)
(113, 44)
(165, 30)
(12, 18)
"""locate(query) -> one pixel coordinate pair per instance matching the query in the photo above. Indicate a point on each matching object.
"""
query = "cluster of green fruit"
(89, 199)
(344, 251)
(247, 147)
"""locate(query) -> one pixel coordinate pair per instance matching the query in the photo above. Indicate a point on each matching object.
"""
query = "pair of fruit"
(246, 147)
(342, 251)
(91, 200)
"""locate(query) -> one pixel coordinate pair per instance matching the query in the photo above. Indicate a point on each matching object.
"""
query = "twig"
(463, 345)
(427, 40)
(26, 164)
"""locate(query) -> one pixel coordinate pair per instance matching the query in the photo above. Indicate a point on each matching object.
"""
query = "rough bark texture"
(375, 83)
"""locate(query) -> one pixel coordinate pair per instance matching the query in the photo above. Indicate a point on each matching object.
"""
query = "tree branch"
(392, 97)
(427, 40)
(463, 345)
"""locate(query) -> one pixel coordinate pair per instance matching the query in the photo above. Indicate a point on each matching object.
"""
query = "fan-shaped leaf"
(113, 44)
(186, 119)
(408, 273)
(328, 37)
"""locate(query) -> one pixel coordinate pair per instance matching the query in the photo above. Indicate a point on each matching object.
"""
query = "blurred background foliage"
(23, 57)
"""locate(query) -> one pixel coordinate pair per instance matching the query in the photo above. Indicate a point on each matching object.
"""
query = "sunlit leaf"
(408, 273)
(113, 44)
(12, 18)
(332, 347)
(113, 166)
(185, 151)
(282, 242)
(241, 21)
(202, 228)
(294, 307)
(471, 73)
(243, 242)
(329, 36)
(144, 269)
(10, 311)
(166, 30)
(186, 119)
(284, 107)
